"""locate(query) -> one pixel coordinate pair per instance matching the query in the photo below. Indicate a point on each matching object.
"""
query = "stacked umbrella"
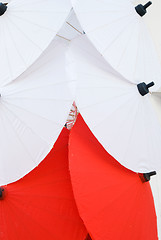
(108, 62)
(35, 102)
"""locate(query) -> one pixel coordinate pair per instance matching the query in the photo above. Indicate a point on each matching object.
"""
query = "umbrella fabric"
(124, 122)
(41, 205)
(26, 29)
(33, 110)
(156, 189)
(129, 42)
(112, 201)
(69, 31)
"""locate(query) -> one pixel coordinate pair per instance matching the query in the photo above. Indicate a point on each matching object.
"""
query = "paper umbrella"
(113, 201)
(33, 109)
(124, 121)
(127, 37)
(41, 205)
(26, 29)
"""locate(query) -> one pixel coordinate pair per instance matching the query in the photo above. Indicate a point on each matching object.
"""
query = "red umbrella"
(113, 201)
(41, 205)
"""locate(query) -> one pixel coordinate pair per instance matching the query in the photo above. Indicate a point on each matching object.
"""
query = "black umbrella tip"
(141, 9)
(143, 88)
(145, 177)
(3, 8)
(1, 193)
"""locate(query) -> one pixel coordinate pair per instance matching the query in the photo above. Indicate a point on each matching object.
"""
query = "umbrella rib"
(125, 48)
(27, 37)
(30, 113)
(7, 57)
(20, 139)
(29, 21)
(118, 35)
(13, 41)
(63, 38)
(38, 86)
(35, 162)
(132, 129)
(105, 25)
(91, 105)
(74, 28)
(118, 106)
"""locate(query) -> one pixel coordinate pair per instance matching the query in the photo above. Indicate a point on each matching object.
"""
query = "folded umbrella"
(120, 114)
(33, 110)
(26, 28)
(41, 205)
(112, 201)
(126, 33)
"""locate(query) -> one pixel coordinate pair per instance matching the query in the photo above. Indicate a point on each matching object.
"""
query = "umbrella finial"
(3, 8)
(1, 193)
(141, 9)
(145, 177)
(143, 88)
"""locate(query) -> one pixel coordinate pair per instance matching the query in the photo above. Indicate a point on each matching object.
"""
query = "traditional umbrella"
(41, 205)
(119, 32)
(26, 29)
(124, 121)
(112, 201)
(33, 110)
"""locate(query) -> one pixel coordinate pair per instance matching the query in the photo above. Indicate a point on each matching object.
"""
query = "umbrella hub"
(145, 177)
(1, 193)
(3, 8)
(141, 9)
(143, 88)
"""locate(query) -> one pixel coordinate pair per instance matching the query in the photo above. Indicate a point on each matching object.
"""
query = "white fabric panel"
(124, 122)
(69, 31)
(71, 28)
(26, 29)
(33, 110)
(122, 37)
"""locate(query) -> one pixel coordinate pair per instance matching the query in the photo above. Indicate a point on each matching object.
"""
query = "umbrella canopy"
(41, 205)
(129, 42)
(26, 29)
(33, 110)
(112, 201)
(156, 189)
(125, 122)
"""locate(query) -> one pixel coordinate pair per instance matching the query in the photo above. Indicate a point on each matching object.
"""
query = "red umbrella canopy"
(113, 201)
(41, 205)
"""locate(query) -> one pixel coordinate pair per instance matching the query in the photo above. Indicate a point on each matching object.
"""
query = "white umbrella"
(33, 110)
(121, 35)
(124, 121)
(26, 29)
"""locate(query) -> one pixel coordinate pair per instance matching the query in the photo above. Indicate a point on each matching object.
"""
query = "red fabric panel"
(112, 200)
(41, 205)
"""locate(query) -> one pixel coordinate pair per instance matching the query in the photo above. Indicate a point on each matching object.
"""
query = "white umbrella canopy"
(33, 110)
(26, 29)
(69, 31)
(124, 121)
(71, 28)
(129, 42)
